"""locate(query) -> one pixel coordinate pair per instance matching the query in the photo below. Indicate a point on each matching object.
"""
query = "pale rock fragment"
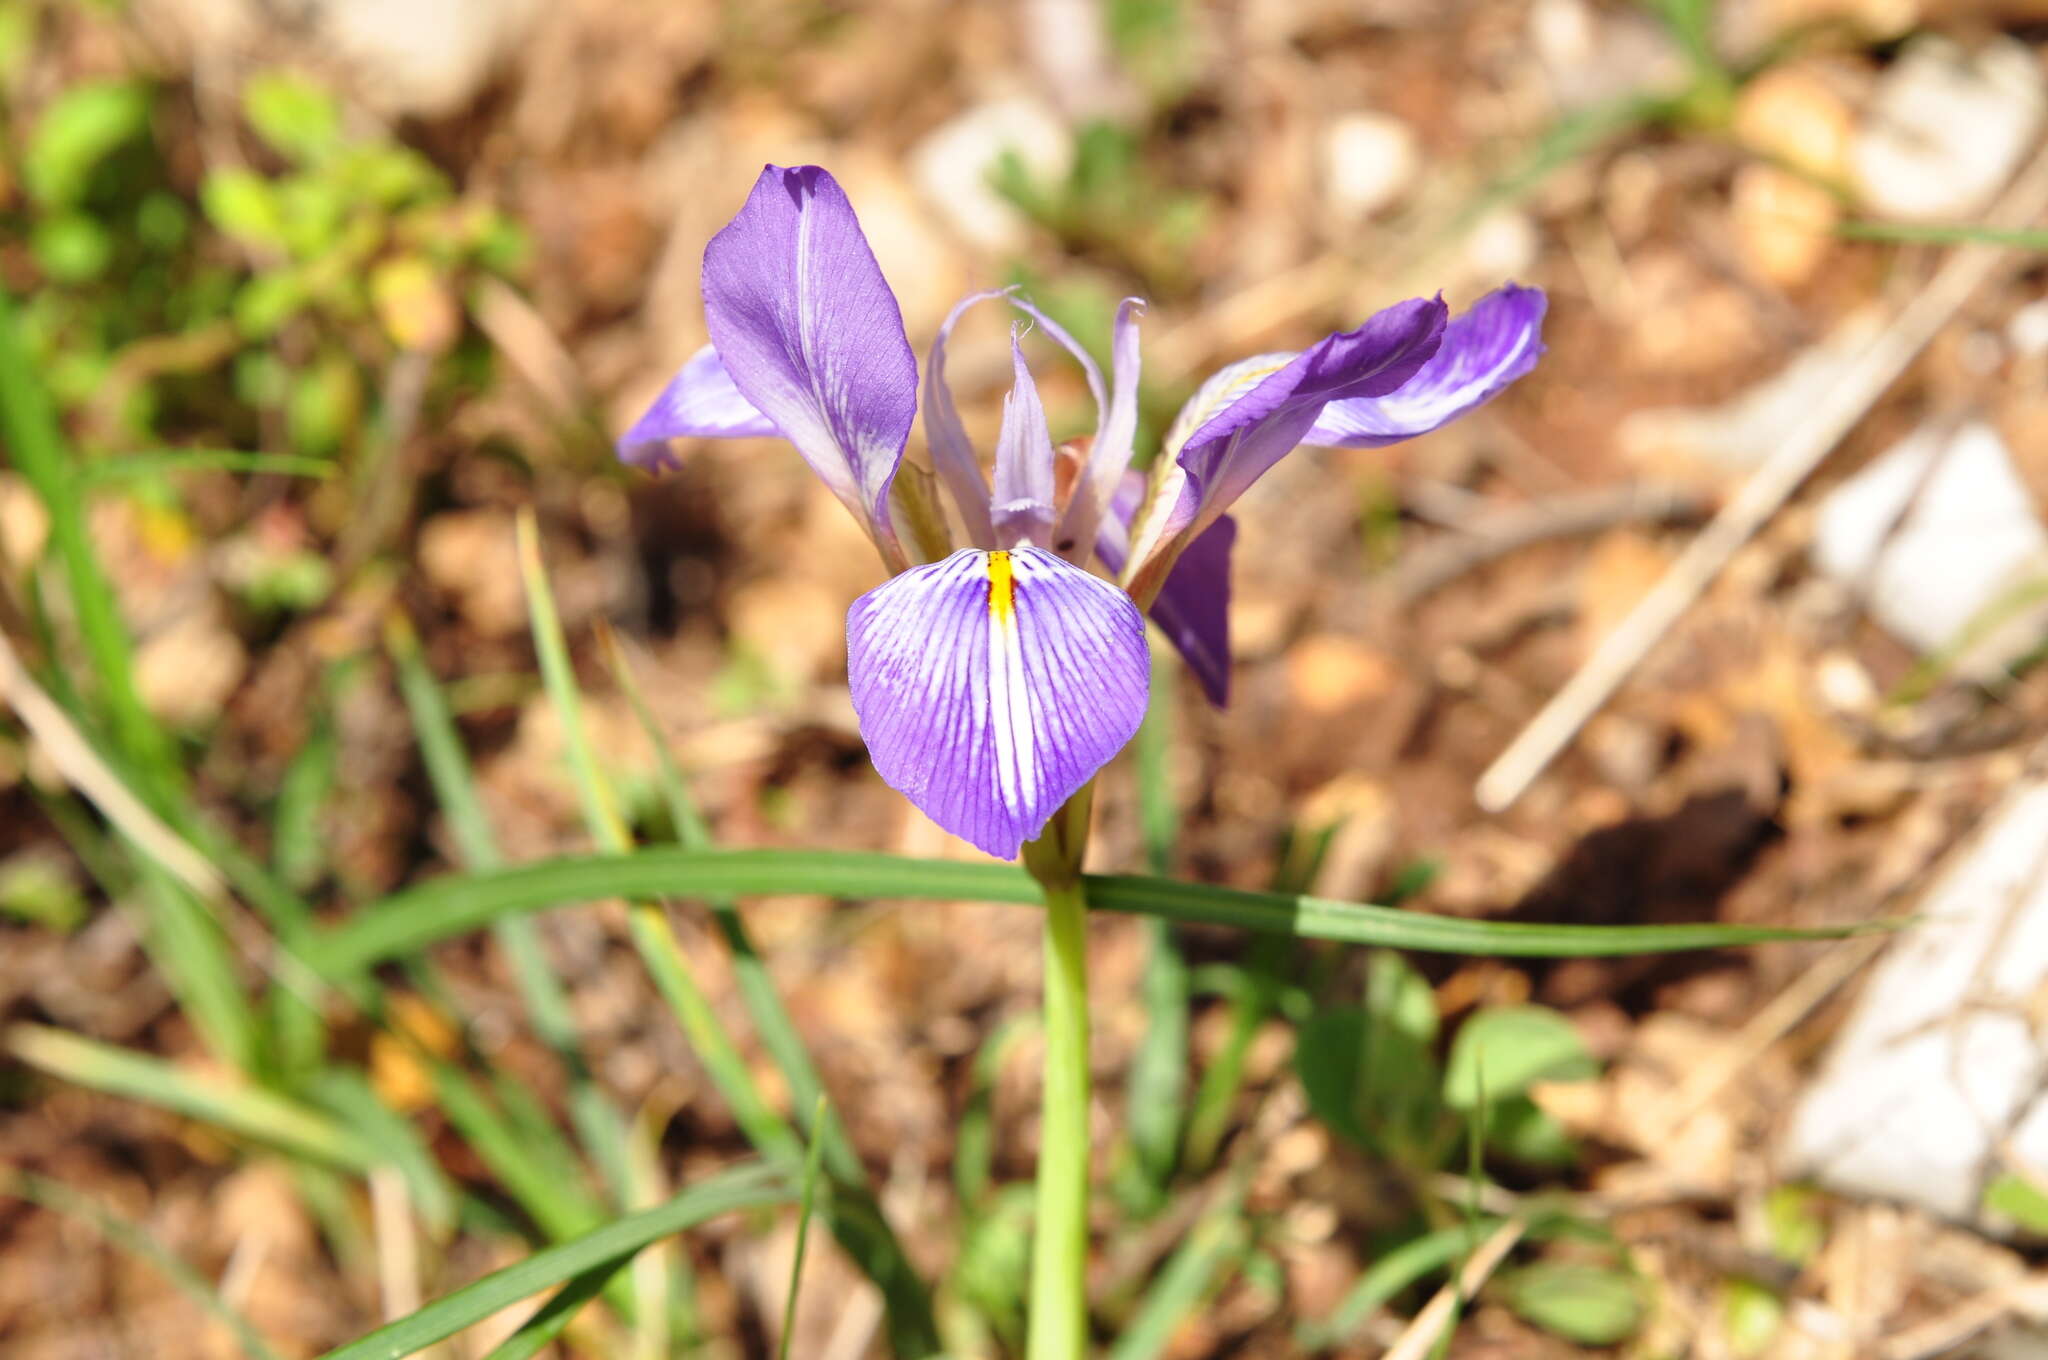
(186, 671)
(1935, 1085)
(1939, 538)
(1797, 116)
(1947, 128)
(1368, 161)
(1783, 223)
(24, 524)
(952, 167)
(426, 57)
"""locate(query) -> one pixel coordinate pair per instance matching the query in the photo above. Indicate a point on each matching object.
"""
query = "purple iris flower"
(992, 682)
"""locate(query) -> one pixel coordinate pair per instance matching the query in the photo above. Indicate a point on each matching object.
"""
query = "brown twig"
(1422, 1333)
(1492, 535)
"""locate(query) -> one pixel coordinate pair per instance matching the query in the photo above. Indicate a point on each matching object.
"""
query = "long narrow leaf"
(444, 908)
(599, 1124)
(1190, 1275)
(747, 1188)
(133, 465)
(1908, 233)
(549, 1320)
(663, 956)
(247, 1111)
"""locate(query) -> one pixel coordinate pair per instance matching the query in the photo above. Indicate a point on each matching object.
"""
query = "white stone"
(952, 165)
(1938, 536)
(401, 56)
(425, 56)
(1940, 1069)
(1369, 160)
(1947, 128)
(1502, 245)
(2027, 331)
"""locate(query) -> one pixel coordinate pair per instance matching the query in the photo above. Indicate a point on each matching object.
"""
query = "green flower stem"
(1058, 1328)
(1059, 1296)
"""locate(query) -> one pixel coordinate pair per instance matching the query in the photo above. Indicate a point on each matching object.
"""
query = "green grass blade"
(1406, 1264)
(1254, 994)
(35, 442)
(557, 1313)
(803, 1236)
(1960, 234)
(974, 1137)
(135, 466)
(757, 990)
(559, 1204)
(59, 1198)
(598, 1123)
(443, 908)
(659, 949)
(612, 1244)
(193, 952)
(298, 845)
(348, 1095)
(249, 1112)
(1190, 1275)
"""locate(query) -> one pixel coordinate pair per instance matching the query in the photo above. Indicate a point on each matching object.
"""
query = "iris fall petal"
(992, 685)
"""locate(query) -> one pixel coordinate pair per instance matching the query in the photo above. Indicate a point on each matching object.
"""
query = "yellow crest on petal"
(1002, 588)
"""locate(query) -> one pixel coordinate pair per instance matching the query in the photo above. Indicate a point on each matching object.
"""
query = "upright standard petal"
(1231, 449)
(952, 452)
(1498, 340)
(1116, 432)
(812, 336)
(700, 402)
(1022, 509)
(993, 685)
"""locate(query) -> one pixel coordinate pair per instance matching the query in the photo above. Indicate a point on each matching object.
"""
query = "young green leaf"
(1504, 1050)
(299, 120)
(78, 130)
(1591, 1305)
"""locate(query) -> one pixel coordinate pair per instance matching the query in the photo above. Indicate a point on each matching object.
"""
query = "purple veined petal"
(1110, 456)
(993, 685)
(1193, 608)
(700, 402)
(812, 336)
(1022, 507)
(1232, 448)
(1495, 342)
(952, 452)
